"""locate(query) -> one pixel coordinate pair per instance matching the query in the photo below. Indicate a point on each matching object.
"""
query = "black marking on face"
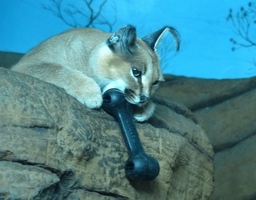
(155, 83)
(129, 94)
(137, 74)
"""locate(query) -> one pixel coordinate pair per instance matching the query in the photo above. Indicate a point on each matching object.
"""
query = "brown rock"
(17, 180)
(224, 108)
(230, 121)
(197, 93)
(235, 174)
(52, 147)
(226, 111)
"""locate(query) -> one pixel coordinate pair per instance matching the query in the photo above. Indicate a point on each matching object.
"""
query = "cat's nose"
(143, 98)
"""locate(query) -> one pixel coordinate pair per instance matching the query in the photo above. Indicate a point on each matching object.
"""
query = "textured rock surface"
(226, 111)
(52, 147)
(235, 171)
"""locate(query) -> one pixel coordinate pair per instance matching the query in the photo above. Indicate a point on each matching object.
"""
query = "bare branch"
(244, 25)
(103, 21)
(77, 17)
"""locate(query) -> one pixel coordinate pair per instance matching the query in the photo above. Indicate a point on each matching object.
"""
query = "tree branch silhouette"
(243, 23)
(86, 15)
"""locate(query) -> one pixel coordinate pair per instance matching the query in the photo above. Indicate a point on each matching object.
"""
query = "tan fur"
(81, 62)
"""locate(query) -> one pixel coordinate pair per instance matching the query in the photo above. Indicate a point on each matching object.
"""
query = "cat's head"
(131, 64)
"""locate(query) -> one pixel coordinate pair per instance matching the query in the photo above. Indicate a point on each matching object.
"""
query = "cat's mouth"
(131, 97)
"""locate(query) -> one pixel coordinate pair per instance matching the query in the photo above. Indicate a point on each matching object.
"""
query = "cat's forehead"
(144, 56)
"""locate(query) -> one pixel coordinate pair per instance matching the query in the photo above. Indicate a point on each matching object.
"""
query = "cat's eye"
(136, 73)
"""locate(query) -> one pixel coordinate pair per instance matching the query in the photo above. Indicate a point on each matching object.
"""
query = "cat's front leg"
(74, 82)
(145, 112)
(85, 90)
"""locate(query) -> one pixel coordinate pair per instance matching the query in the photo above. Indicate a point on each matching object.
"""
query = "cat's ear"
(123, 41)
(153, 39)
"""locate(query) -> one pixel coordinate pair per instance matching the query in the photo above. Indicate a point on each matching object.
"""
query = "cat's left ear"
(123, 41)
(153, 39)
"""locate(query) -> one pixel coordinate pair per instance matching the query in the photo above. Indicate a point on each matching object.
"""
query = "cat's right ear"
(123, 41)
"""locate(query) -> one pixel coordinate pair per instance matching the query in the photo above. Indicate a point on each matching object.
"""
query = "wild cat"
(86, 62)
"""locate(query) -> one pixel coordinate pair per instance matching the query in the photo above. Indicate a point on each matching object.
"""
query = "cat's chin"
(141, 104)
(138, 104)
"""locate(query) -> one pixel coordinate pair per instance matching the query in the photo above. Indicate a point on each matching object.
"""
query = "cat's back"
(64, 47)
(89, 36)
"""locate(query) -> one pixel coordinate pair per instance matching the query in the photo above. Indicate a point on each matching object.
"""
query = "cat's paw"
(91, 100)
(144, 113)
(86, 90)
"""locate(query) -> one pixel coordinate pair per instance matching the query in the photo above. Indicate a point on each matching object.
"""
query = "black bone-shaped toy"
(139, 165)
